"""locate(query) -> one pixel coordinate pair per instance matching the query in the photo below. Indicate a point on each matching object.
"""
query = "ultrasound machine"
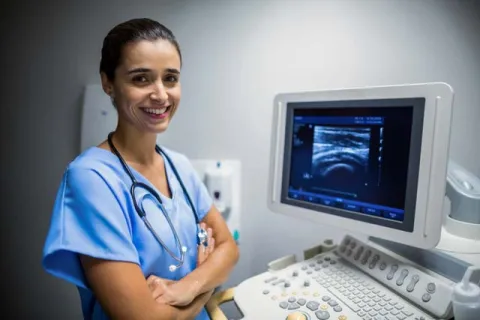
(374, 163)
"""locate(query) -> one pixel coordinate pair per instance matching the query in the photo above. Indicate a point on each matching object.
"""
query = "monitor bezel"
(425, 230)
(418, 106)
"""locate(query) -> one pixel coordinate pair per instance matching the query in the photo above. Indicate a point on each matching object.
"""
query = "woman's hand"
(157, 285)
(204, 252)
(180, 293)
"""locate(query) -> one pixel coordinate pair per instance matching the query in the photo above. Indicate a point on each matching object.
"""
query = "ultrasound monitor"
(371, 160)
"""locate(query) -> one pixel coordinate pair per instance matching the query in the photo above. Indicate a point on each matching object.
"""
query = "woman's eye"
(171, 79)
(141, 79)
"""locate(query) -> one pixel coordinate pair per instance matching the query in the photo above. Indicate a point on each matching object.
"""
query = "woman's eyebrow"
(143, 70)
(138, 70)
(172, 70)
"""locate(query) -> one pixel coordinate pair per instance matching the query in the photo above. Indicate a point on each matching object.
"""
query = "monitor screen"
(355, 159)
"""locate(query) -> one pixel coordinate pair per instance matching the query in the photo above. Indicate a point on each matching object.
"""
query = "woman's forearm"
(215, 270)
(192, 310)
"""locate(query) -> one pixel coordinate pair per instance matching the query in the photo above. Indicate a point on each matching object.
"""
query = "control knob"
(297, 316)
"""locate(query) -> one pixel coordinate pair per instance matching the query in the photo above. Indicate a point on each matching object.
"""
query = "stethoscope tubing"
(137, 184)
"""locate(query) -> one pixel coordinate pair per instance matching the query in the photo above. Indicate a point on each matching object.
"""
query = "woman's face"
(146, 90)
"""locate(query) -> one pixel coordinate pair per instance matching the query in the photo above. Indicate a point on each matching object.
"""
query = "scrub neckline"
(140, 176)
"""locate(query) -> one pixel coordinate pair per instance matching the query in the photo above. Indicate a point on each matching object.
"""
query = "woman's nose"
(160, 93)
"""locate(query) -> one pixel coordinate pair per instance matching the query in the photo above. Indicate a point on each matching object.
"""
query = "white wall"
(238, 55)
(242, 55)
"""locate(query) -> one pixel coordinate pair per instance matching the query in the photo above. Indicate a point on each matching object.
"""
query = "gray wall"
(238, 54)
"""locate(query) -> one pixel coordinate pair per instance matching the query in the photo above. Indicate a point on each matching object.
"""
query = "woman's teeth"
(156, 111)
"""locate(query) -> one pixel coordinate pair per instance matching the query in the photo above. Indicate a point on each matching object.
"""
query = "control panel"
(352, 281)
(430, 293)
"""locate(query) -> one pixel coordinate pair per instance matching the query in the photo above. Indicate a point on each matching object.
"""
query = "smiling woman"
(142, 75)
(130, 219)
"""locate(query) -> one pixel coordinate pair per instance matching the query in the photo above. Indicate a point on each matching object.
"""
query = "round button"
(297, 316)
(467, 185)
(322, 315)
(431, 287)
(426, 297)
(333, 303)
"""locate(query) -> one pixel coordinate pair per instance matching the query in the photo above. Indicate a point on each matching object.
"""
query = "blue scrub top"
(94, 215)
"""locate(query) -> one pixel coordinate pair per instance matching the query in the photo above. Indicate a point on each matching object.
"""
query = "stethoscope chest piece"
(202, 237)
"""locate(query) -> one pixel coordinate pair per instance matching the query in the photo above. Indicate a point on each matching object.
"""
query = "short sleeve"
(87, 219)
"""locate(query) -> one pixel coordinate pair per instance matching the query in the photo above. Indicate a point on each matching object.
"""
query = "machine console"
(422, 287)
(365, 160)
(354, 281)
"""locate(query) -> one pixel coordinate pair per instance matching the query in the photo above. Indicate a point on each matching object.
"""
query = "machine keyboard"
(351, 282)
(361, 295)
(346, 289)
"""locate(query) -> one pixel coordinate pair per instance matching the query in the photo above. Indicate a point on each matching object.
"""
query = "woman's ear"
(107, 85)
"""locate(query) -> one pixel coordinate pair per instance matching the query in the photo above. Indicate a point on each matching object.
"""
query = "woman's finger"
(211, 245)
(159, 290)
(209, 234)
(152, 282)
(201, 254)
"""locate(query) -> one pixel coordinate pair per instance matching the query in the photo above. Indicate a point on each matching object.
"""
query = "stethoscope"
(202, 233)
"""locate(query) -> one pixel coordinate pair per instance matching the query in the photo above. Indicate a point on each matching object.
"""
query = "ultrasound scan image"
(341, 154)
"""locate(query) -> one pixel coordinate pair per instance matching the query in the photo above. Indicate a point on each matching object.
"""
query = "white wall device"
(99, 117)
(219, 182)
(223, 181)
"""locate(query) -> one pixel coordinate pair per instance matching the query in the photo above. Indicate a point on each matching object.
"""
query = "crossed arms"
(124, 293)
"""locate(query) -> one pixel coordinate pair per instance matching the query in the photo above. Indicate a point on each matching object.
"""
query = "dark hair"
(129, 31)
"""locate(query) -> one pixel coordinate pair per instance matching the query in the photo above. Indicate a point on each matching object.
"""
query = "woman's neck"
(135, 146)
